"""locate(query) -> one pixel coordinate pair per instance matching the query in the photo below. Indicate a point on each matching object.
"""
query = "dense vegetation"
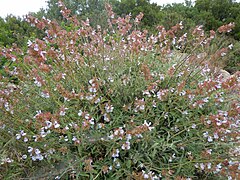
(88, 93)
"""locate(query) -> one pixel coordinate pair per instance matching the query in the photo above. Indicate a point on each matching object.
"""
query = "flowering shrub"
(118, 103)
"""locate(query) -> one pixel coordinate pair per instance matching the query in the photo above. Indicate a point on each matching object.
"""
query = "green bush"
(117, 103)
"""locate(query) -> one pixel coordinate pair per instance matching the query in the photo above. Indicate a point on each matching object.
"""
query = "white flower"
(37, 151)
(128, 137)
(126, 145)
(56, 125)
(63, 75)
(110, 79)
(210, 139)
(223, 54)
(119, 132)
(109, 108)
(145, 176)
(105, 116)
(209, 121)
(38, 83)
(97, 100)
(91, 121)
(205, 134)
(45, 95)
(230, 46)
(43, 133)
(209, 151)
(39, 157)
(48, 124)
(30, 149)
(215, 135)
(116, 153)
(90, 97)
(92, 89)
(100, 125)
(13, 59)
(29, 43)
(139, 135)
(18, 136)
(209, 165)
(74, 138)
(148, 125)
(87, 116)
(51, 151)
(62, 113)
(57, 177)
(111, 136)
(166, 115)
(194, 126)
(154, 104)
(36, 48)
(202, 166)
(80, 113)
(91, 81)
(219, 123)
(196, 165)
(6, 160)
(66, 138)
(24, 156)
(142, 107)
(219, 166)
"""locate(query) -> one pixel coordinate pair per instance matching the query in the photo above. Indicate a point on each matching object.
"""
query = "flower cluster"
(226, 28)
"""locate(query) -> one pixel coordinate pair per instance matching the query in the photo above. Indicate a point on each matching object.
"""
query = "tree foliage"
(15, 30)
